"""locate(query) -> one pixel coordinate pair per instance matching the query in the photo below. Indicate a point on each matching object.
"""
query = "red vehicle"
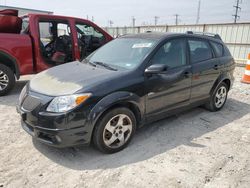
(35, 42)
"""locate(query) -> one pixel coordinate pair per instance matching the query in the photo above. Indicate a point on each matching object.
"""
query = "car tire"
(7, 80)
(218, 99)
(114, 131)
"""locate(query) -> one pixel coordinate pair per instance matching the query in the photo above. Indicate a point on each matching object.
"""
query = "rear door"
(205, 68)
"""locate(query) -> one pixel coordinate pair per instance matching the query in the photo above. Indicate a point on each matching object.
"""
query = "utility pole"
(110, 23)
(198, 12)
(176, 19)
(133, 21)
(156, 20)
(237, 8)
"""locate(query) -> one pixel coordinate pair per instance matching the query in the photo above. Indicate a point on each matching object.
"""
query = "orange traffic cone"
(246, 77)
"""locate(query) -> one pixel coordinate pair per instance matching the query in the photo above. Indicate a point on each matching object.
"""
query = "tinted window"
(172, 53)
(218, 48)
(199, 51)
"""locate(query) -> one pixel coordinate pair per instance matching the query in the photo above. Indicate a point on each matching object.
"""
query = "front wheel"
(218, 99)
(114, 130)
(7, 79)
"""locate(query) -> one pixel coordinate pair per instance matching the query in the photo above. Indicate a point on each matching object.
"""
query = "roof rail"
(216, 36)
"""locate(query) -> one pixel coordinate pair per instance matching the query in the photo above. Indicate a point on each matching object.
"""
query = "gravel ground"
(193, 149)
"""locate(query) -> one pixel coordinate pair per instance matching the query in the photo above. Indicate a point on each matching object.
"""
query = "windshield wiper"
(107, 66)
(88, 62)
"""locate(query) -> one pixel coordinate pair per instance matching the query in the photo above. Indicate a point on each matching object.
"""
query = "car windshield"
(122, 53)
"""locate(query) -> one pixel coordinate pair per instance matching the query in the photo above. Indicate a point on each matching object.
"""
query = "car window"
(218, 48)
(172, 53)
(45, 33)
(89, 39)
(199, 51)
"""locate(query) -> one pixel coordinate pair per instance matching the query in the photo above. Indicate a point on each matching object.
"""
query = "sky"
(144, 11)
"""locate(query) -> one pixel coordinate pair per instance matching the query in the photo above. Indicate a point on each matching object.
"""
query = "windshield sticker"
(142, 45)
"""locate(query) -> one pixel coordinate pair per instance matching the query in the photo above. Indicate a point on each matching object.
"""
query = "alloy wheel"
(220, 96)
(117, 131)
(4, 80)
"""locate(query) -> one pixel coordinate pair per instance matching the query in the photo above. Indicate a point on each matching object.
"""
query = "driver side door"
(89, 38)
(169, 89)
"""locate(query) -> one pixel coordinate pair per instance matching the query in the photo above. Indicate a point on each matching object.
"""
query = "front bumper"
(58, 138)
(59, 130)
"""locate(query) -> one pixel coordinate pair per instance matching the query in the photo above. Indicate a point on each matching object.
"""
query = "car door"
(205, 68)
(171, 88)
(89, 38)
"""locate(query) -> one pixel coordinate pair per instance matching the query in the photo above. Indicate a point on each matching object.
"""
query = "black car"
(131, 81)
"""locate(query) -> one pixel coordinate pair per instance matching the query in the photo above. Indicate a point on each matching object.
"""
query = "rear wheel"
(218, 99)
(7, 80)
(114, 130)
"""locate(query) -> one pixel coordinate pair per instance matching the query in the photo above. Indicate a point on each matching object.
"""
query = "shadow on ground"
(12, 98)
(151, 140)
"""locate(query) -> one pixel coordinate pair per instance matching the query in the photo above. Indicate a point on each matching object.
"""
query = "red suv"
(35, 42)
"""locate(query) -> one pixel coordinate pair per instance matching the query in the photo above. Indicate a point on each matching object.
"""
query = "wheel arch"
(228, 82)
(10, 62)
(118, 99)
(222, 78)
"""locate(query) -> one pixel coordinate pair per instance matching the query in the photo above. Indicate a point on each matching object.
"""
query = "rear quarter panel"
(19, 47)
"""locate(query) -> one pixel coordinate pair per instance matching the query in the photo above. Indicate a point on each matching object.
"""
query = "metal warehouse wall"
(236, 36)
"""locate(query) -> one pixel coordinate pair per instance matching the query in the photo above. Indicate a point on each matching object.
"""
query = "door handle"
(216, 67)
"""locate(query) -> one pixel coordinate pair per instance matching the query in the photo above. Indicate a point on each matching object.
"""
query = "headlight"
(66, 103)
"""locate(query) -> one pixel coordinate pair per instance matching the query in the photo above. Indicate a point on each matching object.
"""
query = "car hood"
(69, 78)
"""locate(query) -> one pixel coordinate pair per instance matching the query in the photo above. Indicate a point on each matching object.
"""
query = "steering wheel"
(49, 48)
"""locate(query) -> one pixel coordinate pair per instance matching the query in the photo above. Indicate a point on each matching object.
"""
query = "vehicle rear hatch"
(9, 21)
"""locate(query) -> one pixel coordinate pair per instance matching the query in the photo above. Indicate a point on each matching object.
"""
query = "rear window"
(218, 49)
(199, 51)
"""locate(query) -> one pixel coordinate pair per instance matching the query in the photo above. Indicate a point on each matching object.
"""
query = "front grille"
(30, 103)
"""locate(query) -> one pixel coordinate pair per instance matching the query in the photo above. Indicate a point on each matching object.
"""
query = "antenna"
(237, 8)
(198, 12)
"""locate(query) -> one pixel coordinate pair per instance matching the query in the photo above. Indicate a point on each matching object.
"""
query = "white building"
(24, 11)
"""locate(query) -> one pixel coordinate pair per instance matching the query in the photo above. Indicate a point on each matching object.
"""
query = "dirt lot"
(193, 149)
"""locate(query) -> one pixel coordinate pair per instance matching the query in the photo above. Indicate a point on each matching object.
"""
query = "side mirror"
(156, 69)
